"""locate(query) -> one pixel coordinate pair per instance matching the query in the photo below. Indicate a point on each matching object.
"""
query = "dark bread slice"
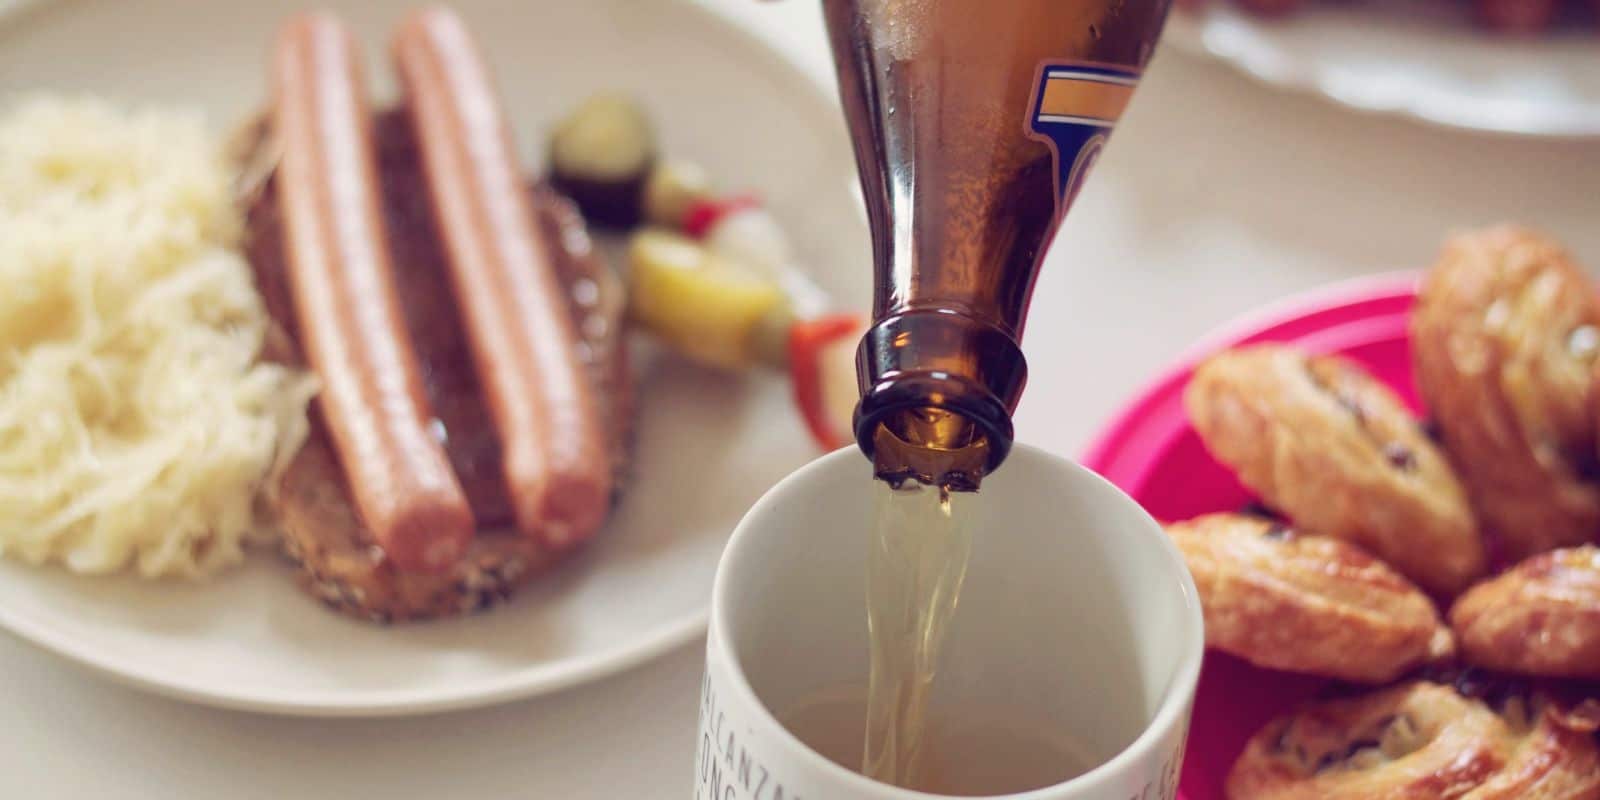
(341, 564)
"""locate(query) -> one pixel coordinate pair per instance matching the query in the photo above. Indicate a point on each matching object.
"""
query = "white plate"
(708, 444)
(1419, 58)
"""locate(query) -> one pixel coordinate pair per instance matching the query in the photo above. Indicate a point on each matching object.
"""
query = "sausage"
(1270, 8)
(524, 343)
(342, 284)
(1524, 17)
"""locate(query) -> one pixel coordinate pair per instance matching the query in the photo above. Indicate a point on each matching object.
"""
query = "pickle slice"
(704, 306)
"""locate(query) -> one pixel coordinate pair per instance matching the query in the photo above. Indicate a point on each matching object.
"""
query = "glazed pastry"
(1327, 444)
(1314, 604)
(1555, 755)
(1416, 740)
(1505, 336)
(1541, 617)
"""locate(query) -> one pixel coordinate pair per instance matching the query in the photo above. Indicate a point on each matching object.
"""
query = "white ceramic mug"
(1075, 603)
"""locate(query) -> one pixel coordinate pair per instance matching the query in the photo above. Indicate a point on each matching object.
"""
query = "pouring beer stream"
(974, 124)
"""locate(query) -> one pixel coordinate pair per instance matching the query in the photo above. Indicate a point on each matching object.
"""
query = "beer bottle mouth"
(938, 388)
(933, 446)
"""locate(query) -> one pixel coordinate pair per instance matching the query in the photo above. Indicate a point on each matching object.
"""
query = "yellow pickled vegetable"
(702, 305)
(671, 189)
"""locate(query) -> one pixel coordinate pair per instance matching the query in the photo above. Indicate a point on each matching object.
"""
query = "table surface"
(1217, 195)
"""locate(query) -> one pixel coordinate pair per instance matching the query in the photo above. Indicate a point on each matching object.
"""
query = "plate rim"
(1128, 415)
(1185, 32)
(9, 9)
(516, 684)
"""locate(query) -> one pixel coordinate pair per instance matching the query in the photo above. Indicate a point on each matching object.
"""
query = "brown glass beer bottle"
(974, 122)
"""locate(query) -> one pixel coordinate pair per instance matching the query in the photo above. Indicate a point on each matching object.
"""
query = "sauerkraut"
(139, 425)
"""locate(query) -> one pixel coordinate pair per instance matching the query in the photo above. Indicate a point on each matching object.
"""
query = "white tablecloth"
(1215, 196)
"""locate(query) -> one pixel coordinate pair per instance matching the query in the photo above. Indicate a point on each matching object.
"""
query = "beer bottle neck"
(944, 381)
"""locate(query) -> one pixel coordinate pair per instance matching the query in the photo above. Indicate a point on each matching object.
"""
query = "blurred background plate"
(708, 444)
(1424, 59)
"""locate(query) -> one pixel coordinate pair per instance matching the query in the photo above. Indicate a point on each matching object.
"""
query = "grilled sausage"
(344, 297)
(1524, 17)
(521, 331)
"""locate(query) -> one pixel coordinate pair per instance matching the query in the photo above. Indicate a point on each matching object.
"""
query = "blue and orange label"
(1074, 109)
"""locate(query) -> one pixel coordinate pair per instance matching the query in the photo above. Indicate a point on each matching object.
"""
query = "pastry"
(1505, 337)
(1555, 755)
(1327, 444)
(1282, 599)
(1416, 740)
(1542, 617)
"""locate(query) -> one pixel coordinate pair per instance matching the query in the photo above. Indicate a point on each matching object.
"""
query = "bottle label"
(1075, 107)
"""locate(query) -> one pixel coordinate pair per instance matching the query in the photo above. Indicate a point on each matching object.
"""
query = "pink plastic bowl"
(1150, 450)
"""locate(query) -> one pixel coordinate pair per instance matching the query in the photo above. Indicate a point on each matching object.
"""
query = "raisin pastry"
(1505, 337)
(1327, 444)
(1286, 600)
(1542, 617)
(1555, 753)
(1416, 740)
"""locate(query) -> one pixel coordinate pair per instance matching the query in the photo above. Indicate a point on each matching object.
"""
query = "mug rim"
(1172, 710)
